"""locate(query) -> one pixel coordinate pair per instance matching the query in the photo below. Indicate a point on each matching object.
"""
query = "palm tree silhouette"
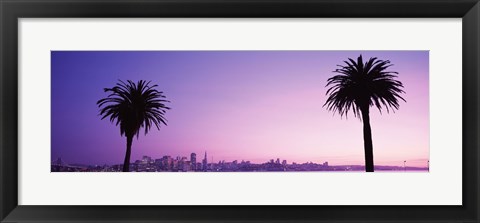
(358, 86)
(133, 106)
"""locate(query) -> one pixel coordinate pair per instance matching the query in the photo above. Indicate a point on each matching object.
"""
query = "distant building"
(146, 160)
(167, 162)
(159, 164)
(205, 163)
(183, 164)
(186, 166)
(199, 166)
(193, 161)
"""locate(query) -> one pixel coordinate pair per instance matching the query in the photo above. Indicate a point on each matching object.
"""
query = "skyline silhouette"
(182, 163)
(249, 105)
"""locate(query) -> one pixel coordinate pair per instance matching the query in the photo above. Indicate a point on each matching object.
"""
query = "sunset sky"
(236, 105)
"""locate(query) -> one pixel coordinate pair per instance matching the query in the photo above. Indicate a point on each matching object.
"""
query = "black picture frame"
(12, 10)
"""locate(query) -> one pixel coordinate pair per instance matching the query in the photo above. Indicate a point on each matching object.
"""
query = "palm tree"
(133, 106)
(359, 86)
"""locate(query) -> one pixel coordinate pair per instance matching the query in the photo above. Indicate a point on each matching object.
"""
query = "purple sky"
(236, 105)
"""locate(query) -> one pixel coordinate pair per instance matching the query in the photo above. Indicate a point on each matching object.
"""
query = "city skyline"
(421, 163)
(246, 105)
(179, 163)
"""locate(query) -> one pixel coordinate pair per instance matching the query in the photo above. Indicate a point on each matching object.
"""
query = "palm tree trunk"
(126, 163)
(367, 139)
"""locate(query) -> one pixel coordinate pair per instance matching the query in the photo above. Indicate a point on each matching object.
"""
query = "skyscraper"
(204, 162)
(193, 161)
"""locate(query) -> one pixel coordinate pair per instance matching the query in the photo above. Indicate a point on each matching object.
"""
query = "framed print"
(239, 111)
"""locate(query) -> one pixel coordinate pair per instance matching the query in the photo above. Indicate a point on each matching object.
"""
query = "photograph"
(240, 111)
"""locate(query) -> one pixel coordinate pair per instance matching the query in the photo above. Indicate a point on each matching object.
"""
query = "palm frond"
(134, 106)
(361, 84)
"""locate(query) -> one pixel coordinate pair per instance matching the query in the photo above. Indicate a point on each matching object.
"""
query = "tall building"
(146, 159)
(159, 164)
(193, 161)
(204, 162)
(167, 162)
(183, 164)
